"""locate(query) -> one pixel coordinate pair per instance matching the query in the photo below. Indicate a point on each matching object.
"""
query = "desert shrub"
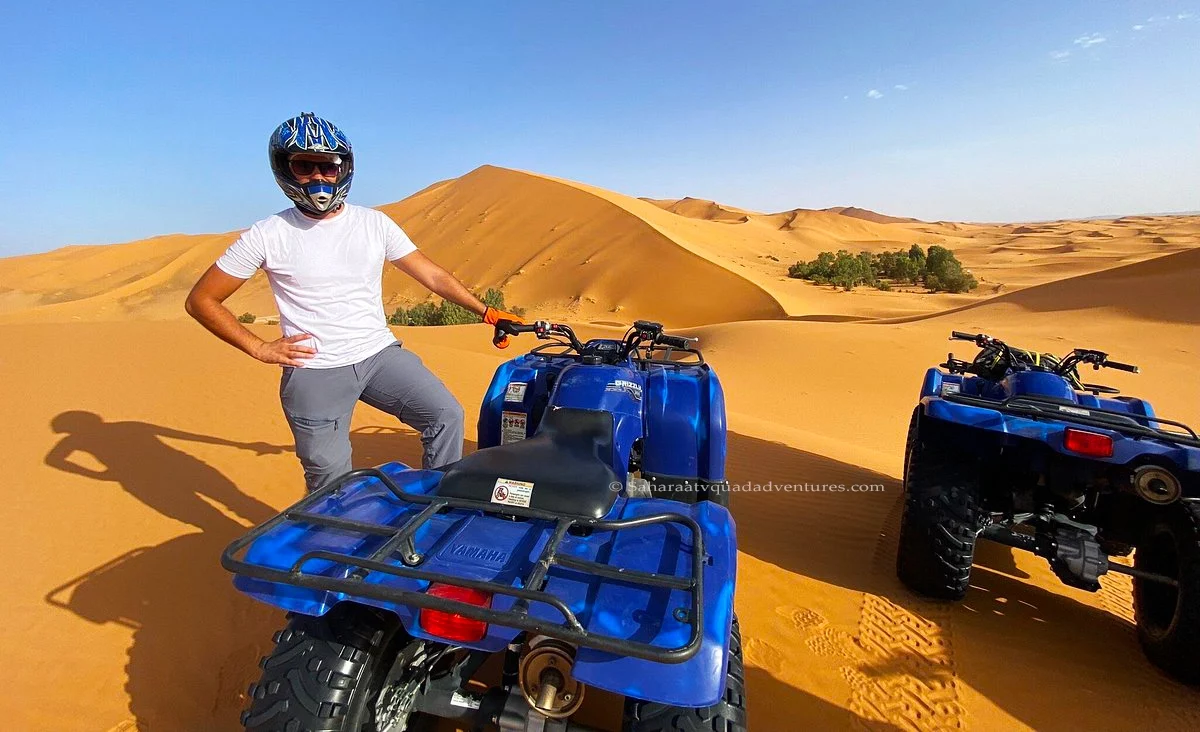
(899, 266)
(943, 271)
(246, 318)
(850, 270)
(448, 313)
(938, 269)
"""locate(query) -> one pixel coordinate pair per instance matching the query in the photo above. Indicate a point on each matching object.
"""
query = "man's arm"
(205, 303)
(59, 457)
(438, 281)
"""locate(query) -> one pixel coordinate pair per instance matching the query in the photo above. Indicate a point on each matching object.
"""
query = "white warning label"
(512, 492)
(515, 391)
(512, 426)
(469, 702)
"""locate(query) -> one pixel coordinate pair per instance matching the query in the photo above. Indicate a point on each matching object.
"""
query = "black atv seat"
(567, 461)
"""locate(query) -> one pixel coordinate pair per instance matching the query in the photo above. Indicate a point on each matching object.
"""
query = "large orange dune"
(137, 446)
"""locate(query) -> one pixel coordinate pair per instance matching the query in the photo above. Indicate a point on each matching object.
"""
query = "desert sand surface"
(137, 446)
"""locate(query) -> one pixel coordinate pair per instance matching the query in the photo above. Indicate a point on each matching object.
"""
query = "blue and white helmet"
(309, 133)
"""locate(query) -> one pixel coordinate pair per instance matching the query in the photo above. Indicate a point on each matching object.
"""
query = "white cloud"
(1059, 55)
(875, 94)
(1090, 40)
(846, 97)
(1183, 16)
(1157, 18)
(1138, 27)
(901, 87)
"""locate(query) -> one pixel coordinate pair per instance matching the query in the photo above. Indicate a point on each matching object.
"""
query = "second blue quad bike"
(1013, 447)
(585, 543)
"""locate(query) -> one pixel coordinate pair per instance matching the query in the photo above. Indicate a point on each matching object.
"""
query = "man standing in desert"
(324, 260)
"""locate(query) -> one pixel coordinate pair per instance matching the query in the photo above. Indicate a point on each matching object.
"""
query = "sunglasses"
(311, 167)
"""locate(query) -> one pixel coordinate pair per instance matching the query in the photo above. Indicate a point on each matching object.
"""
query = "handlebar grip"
(673, 341)
(503, 329)
(1121, 366)
(958, 335)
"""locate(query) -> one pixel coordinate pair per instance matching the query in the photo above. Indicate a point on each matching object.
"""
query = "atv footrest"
(399, 539)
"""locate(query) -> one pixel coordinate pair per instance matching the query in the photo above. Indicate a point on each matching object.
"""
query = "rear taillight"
(1087, 443)
(455, 627)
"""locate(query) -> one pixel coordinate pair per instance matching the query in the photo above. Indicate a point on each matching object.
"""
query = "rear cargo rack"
(1045, 408)
(400, 540)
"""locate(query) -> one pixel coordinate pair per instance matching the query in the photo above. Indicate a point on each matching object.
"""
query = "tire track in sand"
(899, 664)
(907, 677)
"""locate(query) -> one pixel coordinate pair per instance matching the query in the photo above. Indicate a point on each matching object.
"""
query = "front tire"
(727, 715)
(942, 518)
(326, 673)
(1168, 618)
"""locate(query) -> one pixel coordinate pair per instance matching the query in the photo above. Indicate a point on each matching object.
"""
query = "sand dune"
(1160, 290)
(566, 249)
(867, 214)
(138, 445)
(831, 637)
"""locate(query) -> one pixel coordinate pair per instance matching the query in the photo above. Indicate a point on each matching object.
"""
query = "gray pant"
(318, 404)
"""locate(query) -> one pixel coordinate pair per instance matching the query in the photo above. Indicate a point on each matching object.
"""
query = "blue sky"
(131, 119)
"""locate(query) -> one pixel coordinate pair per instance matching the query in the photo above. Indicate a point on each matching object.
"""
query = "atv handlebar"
(542, 328)
(642, 330)
(673, 341)
(645, 330)
(1098, 359)
(1120, 366)
(980, 339)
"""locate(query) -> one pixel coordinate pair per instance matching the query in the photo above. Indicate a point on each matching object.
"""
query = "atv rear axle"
(1047, 548)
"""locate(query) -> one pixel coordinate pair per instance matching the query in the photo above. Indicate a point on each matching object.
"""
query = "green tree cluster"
(448, 313)
(939, 270)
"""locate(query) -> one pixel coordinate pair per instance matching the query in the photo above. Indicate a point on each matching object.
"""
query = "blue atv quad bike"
(1014, 448)
(587, 542)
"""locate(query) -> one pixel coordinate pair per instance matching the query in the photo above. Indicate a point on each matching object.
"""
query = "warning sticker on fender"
(515, 391)
(512, 426)
(512, 492)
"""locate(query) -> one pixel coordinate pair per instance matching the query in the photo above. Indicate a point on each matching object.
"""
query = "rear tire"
(727, 715)
(326, 673)
(1168, 618)
(941, 520)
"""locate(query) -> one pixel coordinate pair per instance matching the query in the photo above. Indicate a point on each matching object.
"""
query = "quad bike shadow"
(903, 642)
(195, 645)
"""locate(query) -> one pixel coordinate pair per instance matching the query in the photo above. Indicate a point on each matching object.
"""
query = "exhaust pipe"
(545, 678)
(1157, 485)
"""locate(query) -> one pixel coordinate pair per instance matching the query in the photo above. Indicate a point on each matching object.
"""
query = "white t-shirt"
(327, 277)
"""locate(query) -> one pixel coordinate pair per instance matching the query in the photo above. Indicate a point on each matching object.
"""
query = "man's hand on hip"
(284, 351)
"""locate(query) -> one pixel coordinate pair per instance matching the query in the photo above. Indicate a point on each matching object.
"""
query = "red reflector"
(1088, 443)
(455, 627)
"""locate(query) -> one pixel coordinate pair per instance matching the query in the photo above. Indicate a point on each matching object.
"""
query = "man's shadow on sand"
(168, 480)
(196, 640)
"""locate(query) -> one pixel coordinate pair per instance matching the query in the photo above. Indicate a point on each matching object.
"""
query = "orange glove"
(492, 315)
